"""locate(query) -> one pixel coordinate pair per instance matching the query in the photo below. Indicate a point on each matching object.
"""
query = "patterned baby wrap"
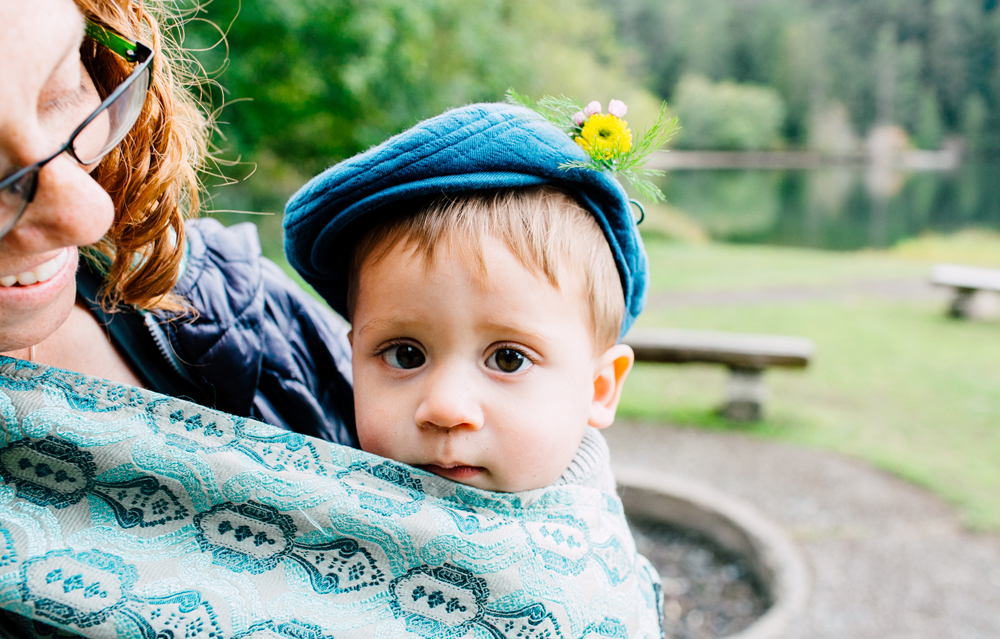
(124, 513)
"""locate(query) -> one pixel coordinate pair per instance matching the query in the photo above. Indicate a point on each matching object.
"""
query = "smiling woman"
(99, 149)
(104, 276)
(70, 92)
(59, 120)
(45, 88)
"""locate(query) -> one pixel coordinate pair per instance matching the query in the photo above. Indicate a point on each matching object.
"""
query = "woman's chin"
(31, 313)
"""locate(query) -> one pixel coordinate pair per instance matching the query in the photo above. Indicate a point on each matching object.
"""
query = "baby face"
(487, 382)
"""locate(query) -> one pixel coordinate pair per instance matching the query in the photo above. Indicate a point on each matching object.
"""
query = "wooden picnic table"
(746, 356)
(967, 281)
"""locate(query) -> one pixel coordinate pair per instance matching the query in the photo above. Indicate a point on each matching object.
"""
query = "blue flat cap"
(472, 148)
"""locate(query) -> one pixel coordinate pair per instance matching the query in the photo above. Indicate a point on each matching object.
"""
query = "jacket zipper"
(163, 343)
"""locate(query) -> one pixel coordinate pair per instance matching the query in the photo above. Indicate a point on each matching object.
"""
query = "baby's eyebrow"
(516, 330)
(387, 322)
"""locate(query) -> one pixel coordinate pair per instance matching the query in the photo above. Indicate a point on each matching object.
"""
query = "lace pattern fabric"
(131, 514)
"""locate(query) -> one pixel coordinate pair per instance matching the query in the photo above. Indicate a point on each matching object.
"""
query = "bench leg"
(745, 394)
(961, 306)
(971, 304)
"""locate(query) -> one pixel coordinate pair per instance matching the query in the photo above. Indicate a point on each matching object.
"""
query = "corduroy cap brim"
(472, 148)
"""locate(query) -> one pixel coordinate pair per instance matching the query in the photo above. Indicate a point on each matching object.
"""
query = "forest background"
(301, 84)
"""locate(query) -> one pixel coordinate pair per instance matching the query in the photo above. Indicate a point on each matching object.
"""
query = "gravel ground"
(887, 560)
(707, 593)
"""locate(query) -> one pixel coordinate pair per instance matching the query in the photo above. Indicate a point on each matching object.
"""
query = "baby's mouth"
(454, 473)
(41, 273)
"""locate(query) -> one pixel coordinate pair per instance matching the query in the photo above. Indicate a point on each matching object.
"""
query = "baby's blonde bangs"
(546, 230)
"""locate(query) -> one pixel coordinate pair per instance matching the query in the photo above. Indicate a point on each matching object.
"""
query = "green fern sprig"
(559, 111)
(648, 141)
(514, 98)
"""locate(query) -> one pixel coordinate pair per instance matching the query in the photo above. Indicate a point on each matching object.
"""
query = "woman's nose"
(450, 402)
(69, 208)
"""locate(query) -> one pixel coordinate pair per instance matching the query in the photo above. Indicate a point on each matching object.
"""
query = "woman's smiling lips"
(454, 473)
(41, 273)
(19, 295)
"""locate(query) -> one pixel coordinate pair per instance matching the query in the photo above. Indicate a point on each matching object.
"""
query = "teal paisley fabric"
(124, 513)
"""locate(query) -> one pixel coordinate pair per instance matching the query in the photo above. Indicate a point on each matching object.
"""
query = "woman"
(98, 272)
(243, 338)
(130, 513)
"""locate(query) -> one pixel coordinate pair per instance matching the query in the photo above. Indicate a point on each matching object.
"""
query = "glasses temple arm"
(122, 46)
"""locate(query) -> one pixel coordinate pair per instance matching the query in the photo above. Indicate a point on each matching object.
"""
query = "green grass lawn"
(894, 382)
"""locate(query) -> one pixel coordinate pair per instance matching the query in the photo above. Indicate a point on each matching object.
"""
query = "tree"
(305, 83)
(727, 115)
(830, 51)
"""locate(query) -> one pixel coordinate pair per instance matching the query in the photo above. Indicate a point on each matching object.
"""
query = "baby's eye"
(508, 360)
(405, 356)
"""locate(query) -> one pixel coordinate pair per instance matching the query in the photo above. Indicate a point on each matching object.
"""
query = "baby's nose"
(450, 402)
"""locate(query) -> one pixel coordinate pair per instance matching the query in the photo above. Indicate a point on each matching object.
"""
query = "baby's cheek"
(379, 437)
(377, 425)
(543, 451)
(374, 442)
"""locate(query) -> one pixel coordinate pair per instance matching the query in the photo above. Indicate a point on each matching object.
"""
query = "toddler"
(488, 282)
(484, 339)
(487, 286)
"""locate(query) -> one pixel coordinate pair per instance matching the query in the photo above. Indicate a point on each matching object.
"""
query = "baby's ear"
(609, 379)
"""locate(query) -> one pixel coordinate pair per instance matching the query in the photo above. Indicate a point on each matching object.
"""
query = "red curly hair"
(152, 176)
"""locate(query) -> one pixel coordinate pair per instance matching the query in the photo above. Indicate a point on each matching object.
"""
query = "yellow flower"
(604, 136)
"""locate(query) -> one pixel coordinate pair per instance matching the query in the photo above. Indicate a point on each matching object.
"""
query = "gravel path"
(887, 559)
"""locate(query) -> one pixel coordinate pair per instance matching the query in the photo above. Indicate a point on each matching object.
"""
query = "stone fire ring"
(736, 527)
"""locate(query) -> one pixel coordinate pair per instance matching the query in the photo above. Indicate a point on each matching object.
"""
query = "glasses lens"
(104, 132)
(14, 198)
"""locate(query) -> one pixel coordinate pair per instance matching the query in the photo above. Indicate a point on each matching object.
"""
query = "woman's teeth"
(41, 273)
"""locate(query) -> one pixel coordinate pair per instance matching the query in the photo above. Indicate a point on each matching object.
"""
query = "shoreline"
(948, 159)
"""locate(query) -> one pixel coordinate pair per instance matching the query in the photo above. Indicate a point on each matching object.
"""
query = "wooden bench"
(967, 281)
(746, 356)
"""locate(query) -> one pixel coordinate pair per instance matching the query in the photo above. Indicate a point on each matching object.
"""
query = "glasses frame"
(129, 50)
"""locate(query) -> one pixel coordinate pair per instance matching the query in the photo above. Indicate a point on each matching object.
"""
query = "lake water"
(839, 208)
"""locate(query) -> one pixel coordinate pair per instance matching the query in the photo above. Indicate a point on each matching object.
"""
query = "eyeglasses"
(97, 135)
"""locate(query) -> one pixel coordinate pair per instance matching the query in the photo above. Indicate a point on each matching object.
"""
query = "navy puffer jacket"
(257, 345)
